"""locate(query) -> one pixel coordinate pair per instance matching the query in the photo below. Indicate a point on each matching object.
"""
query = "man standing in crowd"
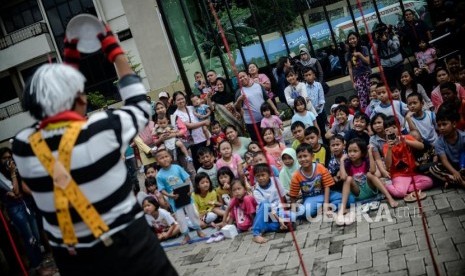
(94, 223)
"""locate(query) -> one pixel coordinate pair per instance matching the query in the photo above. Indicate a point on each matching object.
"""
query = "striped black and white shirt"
(96, 165)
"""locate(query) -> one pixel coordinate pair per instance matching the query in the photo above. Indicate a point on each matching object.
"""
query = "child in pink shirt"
(230, 159)
(241, 209)
(270, 120)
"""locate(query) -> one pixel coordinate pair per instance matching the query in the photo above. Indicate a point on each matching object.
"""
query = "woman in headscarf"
(289, 158)
(307, 61)
(222, 104)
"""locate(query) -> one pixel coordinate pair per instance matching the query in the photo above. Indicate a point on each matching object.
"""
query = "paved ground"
(396, 247)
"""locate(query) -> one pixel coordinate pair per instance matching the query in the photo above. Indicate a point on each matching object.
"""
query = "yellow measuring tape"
(65, 190)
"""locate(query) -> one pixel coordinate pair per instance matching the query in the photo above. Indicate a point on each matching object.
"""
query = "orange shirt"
(403, 162)
(311, 186)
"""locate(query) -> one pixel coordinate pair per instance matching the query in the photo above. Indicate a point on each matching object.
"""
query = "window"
(21, 15)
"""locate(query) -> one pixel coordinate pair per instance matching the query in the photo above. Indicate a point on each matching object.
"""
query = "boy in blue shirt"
(174, 182)
(268, 194)
(450, 148)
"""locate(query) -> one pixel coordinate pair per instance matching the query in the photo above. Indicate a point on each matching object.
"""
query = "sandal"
(412, 197)
(374, 205)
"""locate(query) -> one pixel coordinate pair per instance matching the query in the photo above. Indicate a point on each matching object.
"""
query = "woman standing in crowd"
(358, 63)
(222, 104)
(261, 79)
(283, 65)
(186, 114)
(20, 211)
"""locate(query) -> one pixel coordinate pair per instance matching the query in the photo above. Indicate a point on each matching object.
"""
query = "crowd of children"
(401, 144)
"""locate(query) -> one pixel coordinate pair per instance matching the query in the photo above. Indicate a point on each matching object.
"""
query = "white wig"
(52, 89)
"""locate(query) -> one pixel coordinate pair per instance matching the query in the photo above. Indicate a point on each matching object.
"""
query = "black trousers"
(135, 251)
(251, 130)
(321, 120)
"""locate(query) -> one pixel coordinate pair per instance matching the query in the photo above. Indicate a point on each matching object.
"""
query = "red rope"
(10, 237)
(422, 213)
(257, 132)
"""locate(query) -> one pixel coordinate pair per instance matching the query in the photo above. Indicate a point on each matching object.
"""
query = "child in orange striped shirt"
(313, 181)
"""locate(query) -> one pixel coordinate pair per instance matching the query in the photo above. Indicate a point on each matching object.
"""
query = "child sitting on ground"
(400, 162)
(268, 194)
(203, 112)
(313, 182)
(298, 132)
(207, 164)
(449, 147)
(225, 177)
(164, 128)
(452, 101)
(272, 146)
(354, 104)
(230, 159)
(174, 182)
(242, 208)
(289, 158)
(358, 174)
(152, 190)
(341, 125)
(161, 220)
(337, 146)
(385, 105)
(374, 102)
(424, 121)
(271, 120)
(321, 153)
(395, 93)
(206, 200)
(377, 140)
(360, 129)
(425, 158)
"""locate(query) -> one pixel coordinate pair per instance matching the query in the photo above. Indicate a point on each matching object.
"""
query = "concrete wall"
(152, 43)
(9, 127)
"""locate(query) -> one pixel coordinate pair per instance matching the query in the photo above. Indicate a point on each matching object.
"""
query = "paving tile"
(341, 262)
(455, 267)
(452, 223)
(457, 204)
(377, 233)
(441, 203)
(364, 254)
(391, 235)
(375, 270)
(397, 263)
(357, 266)
(380, 258)
(416, 267)
(334, 271)
(408, 238)
(364, 248)
(335, 247)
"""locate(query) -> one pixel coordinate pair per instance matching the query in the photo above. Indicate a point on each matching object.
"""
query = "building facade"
(173, 39)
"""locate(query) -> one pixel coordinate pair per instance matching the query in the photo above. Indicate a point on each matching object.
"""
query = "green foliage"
(98, 101)
(271, 14)
(136, 67)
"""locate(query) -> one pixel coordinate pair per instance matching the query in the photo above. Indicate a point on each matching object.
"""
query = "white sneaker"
(213, 237)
